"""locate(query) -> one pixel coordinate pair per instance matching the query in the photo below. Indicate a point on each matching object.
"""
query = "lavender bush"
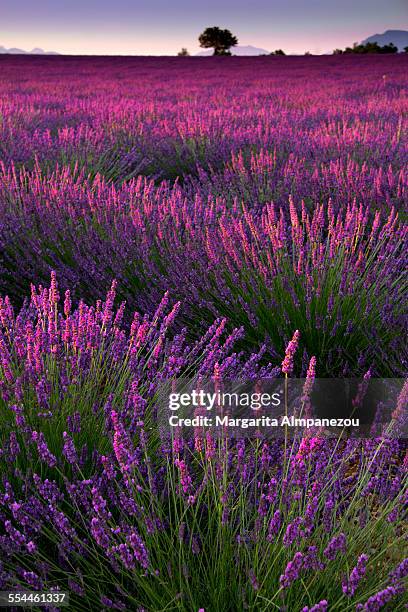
(96, 502)
(340, 278)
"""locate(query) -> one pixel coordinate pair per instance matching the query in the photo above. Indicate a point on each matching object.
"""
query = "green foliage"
(238, 565)
(330, 321)
(371, 48)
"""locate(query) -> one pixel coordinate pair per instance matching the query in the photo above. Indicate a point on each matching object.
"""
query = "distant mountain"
(35, 51)
(239, 50)
(13, 50)
(398, 37)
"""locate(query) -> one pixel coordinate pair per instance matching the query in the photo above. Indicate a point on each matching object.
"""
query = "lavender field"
(220, 218)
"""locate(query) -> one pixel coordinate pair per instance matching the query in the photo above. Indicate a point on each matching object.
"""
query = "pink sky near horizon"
(158, 27)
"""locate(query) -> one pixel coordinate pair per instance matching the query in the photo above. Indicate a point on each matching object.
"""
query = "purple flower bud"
(69, 449)
(321, 606)
(336, 544)
(379, 600)
(287, 363)
(292, 571)
(350, 586)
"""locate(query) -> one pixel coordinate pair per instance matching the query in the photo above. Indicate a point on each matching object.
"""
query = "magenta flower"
(287, 363)
(121, 443)
(185, 478)
(310, 378)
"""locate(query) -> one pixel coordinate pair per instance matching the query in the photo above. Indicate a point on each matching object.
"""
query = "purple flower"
(400, 572)
(99, 531)
(185, 478)
(67, 303)
(31, 547)
(14, 447)
(74, 423)
(311, 559)
(43, 450)
(292, 571)
(16, 537)
(379, 600)
(321, 606)
(76, 588)
(253, 580)
(274, 524)
(310, 378)
(292, 533)
(110, 603)
(287, 363)
(32, 579)
(139, 549)
(121, 443)
(110, 298)
(358, 572)
(100, 504)
(336, 544)
(125, 554)
(69, 449)
(195, 545)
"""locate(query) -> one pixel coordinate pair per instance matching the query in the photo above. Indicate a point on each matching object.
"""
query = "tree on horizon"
(370, 47)
(220, 40)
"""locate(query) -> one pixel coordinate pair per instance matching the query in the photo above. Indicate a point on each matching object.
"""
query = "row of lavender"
(94, 501)
(127, 116)
(339, 276)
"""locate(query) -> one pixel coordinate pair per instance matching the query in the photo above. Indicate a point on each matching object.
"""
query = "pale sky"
(162, 27)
